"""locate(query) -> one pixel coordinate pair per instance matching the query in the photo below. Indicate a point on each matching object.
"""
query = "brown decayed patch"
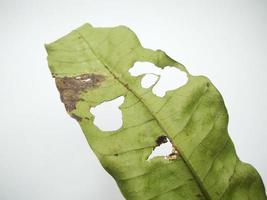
(174, 154)
(161, 139)
(70, 88)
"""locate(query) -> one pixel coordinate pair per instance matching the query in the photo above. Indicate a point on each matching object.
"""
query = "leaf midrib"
(194, 174)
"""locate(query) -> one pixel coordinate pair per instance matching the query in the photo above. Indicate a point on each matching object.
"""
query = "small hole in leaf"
(107, 115)
(162, 80)
(163, 148)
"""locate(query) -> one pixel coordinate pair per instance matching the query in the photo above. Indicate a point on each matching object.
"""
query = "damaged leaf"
(71, 87)
(91, 66)
(164, 148)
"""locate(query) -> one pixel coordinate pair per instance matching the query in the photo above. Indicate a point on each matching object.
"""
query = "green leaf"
(91, 66)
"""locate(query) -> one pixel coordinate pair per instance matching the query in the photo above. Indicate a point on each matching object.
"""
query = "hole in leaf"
(140, 68)
(162, 80)
(149, 80)
(107, 115)
(164, 148)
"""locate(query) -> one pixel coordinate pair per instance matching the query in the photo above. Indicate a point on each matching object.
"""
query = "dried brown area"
(161, 140)
(70, 88)
(174, 154)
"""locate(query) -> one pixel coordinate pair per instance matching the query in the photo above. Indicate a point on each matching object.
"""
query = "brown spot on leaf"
(174, 154)
(70, 88)
(161, 139)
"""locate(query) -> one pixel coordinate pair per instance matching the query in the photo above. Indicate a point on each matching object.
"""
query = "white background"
(43, 153)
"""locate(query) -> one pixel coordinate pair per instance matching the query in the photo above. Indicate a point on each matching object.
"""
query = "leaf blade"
(111, 52)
